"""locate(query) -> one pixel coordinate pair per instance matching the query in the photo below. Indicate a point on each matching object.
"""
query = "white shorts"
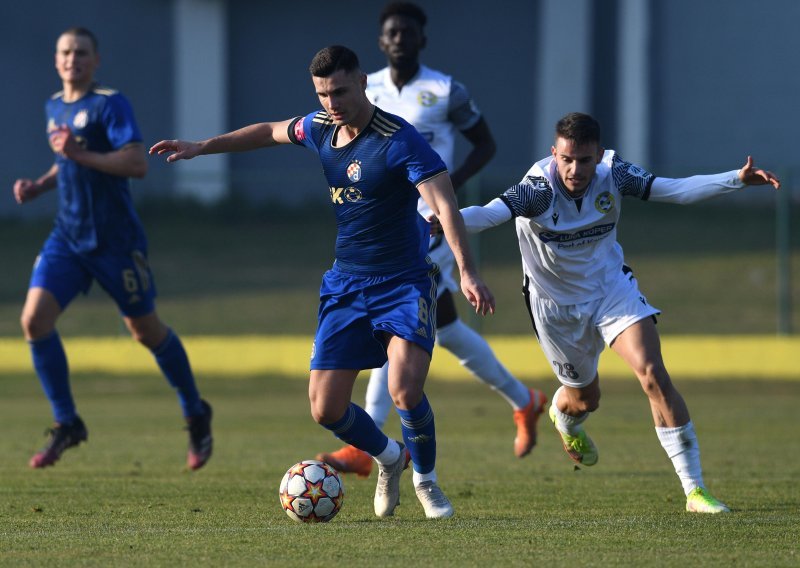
(572, 337)
(441, 254)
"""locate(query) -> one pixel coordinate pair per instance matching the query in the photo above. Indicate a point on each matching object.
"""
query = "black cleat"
(200, 440)
(62, 437)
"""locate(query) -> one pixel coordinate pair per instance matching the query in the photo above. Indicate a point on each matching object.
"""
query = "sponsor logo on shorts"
(421, 332)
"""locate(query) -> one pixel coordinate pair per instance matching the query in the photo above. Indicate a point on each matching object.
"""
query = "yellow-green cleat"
(699, 500)
(580, 447)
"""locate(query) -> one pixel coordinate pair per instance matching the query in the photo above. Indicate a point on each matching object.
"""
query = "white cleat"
(434, 501)
(387, 492)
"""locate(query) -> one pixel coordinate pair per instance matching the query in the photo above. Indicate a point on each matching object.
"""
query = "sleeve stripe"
(430, 177)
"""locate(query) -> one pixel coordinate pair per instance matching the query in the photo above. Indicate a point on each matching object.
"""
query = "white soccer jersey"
(438, 107)
(569, 247)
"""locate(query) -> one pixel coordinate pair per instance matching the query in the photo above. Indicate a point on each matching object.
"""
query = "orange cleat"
(526, 420)
(349, 459)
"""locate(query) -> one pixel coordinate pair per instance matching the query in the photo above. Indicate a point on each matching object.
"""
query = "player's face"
(76, 59)
(342, 96)
(401, 40)
(576, 163)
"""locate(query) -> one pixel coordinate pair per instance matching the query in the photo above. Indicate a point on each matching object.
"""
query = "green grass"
(124, 497)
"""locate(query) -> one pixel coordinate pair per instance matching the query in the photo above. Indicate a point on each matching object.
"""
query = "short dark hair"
(333, 58)
(85, 32)
(578, 127)
(406, 9)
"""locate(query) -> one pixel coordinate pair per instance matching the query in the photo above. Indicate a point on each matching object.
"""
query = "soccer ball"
(311, 492)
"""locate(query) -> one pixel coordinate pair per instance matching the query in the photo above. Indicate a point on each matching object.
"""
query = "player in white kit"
(438, 107)
(580, 294)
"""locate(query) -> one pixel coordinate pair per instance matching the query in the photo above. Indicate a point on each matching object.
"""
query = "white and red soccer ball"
(311, 492)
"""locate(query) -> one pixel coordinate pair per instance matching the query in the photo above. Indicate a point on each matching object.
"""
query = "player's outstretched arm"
(751, 175)
(261, 135)
(697, 188)
(438, 194)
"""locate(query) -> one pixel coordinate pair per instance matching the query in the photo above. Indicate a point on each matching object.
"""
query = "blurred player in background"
(378, 301)
(438, 107)
(97, 236)
(580, 293)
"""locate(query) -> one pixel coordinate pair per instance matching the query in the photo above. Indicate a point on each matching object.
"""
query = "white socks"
(390, 454)
(474, 353)
(682, 448)
(378, 400)
(564, 422)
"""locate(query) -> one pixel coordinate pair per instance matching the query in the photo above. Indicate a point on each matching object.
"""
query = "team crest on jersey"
(81, 119)
(354, 171)
(604, 202)
(352, 194)
(426, 98)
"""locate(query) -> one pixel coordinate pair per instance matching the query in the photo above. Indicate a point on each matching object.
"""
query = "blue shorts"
(355, 312)
(126, 276)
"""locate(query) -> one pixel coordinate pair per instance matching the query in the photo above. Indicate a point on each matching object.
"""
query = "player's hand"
(436, 226)
(181, 149)
(477, 293)
(751, 175)
(63, 142)
(25, 190)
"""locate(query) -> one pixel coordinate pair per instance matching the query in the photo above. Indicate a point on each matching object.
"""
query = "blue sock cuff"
(419, 416)
(44, 339)
(164, 345)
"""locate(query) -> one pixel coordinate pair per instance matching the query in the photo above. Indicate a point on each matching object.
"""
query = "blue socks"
(419, 434)
(172, 359)
(50, 363)
(358, 429)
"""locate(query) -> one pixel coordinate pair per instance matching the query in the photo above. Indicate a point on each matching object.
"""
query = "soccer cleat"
(579, 447)
(349, 459)
(387, 492)
(62, 436)
(201, 442)
(434, 501)
(526, 420)
(699, 500)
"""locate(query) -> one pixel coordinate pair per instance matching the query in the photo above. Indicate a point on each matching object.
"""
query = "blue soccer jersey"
(95, 208)
(372, 181)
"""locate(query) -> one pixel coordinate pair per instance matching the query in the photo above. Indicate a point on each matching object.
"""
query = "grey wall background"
(715, 79)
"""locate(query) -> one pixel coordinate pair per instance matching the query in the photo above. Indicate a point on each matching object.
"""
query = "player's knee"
(34, 326)
(655, 380)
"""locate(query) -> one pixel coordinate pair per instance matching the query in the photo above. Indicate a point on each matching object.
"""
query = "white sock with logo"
(682, 448)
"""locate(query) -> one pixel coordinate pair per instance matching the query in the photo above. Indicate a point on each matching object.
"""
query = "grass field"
(241, 289)
(124, 498)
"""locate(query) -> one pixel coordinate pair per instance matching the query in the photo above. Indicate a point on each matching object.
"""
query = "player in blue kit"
(441, 109)
(97, 236)
(378, 301)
